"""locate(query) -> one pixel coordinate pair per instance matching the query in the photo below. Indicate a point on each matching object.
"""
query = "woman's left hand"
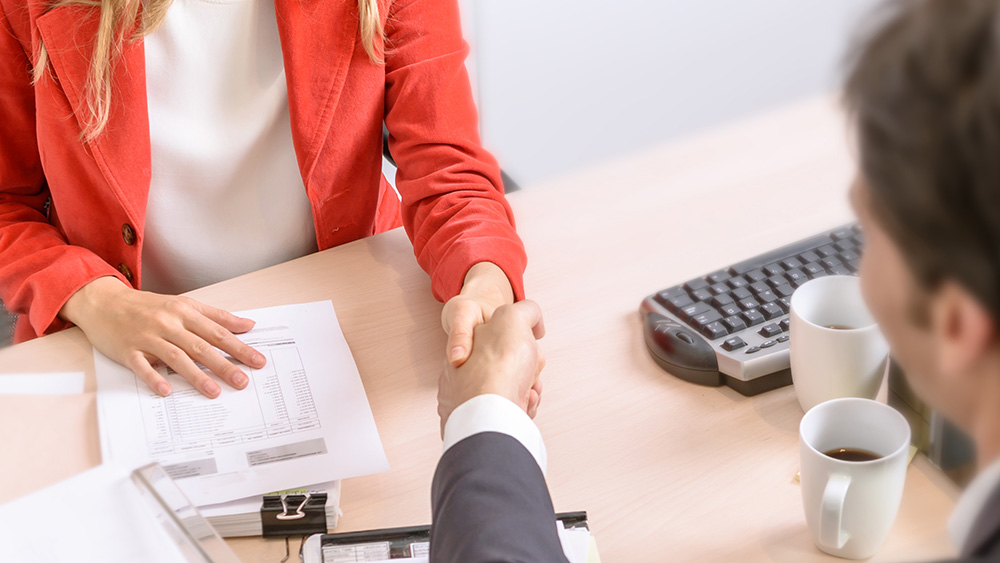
(486, 288)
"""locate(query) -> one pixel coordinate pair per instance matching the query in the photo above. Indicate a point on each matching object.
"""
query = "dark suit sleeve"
(490, 503)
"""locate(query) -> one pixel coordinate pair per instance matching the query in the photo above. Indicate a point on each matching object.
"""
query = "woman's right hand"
(137, 328)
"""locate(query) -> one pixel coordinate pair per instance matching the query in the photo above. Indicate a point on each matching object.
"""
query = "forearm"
(490, 503)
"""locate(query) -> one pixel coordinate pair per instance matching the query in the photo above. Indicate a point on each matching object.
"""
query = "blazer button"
(125, 272)
(128, 233)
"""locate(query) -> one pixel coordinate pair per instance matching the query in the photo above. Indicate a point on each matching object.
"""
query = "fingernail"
(457, 353)
(211, 389)
(240, 381)
(163, 388)
(258, 359)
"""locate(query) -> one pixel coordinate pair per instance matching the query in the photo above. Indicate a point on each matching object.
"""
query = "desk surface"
(666, 469)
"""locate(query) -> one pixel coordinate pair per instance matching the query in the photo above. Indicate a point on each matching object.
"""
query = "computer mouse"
(681, 351)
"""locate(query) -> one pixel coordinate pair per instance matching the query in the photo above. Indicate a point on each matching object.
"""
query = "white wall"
(564, 83)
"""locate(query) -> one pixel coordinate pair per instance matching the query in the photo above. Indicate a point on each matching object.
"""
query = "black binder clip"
(293, 515)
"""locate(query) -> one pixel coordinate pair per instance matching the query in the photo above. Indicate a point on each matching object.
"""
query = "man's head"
(923, 88)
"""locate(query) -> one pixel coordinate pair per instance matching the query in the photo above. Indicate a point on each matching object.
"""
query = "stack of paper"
(242, 517)
(302, 421)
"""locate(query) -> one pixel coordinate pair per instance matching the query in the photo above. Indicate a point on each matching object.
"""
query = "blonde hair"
(117, 16)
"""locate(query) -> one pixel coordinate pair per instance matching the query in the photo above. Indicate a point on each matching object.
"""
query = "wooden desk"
(667, 470)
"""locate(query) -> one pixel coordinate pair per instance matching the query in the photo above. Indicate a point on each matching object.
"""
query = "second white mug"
(836, 349)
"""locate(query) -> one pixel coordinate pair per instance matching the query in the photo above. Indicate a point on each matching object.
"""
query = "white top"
(493, 413)
(971, 504)
(226, 196)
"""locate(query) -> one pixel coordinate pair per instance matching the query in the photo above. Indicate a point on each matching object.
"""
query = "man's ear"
(964, 331)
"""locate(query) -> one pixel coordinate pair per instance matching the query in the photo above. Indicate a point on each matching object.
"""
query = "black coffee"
(852, 454)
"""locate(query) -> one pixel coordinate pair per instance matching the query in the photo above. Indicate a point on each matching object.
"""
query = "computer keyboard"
(731, 326)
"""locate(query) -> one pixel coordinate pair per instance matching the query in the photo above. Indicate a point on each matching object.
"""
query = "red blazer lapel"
(122, 152)
(317, 41)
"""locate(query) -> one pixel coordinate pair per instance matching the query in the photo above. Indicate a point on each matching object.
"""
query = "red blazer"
(71, 212)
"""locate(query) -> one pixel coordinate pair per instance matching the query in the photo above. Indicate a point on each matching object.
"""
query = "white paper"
(41, 383)
(98, 515)
(303, 418)
(575, 543)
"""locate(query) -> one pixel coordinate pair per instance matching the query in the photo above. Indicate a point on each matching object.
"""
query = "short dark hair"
(923, 89)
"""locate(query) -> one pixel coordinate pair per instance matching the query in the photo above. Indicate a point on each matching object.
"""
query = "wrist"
(488, 281)
(90, 297)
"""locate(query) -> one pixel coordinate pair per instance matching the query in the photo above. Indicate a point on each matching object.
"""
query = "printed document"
(303, 418)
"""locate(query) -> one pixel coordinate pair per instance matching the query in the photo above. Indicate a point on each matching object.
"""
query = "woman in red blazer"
(75, 170)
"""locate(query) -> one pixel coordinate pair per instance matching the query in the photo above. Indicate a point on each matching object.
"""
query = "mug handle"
(831, 533)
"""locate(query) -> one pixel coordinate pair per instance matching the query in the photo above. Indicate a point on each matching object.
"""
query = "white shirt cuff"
(493, 413)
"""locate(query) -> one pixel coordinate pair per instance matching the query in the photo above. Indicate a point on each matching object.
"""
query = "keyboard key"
(720, 300)
(766, 296)
(686, 313)
(752, 350)
(796, 275)
(774, 269)
(769, 330)
(719, 288)
(826, 250)
(752, 317)
(771, 311)
(784, 290)
(741, 293)
(734, 343)
(848, 256)
(840, 271)
(717, 277)
(738, 282)
(734, 324)
(759, 287)
(814, 269)
(702, 294)
(782, 338)
(785, 325)
(767, 344)
(678, 303)
(845, 245)
(729, 310)
(840, 234)
(696, 284)
(755, 275)
(791, 263)
(859, 240)
(705, 319)
(785, 303)
(775, 281)
(672, 292)
(748, 304)
(854, 265)
(807, 257)
(714, 330)
(830, 262)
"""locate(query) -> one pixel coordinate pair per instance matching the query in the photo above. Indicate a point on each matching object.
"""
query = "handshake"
(505, 360)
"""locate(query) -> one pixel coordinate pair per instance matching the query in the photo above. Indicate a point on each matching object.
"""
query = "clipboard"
(391, 543)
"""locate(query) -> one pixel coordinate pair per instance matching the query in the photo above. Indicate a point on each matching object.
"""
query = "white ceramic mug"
(829, 363)
(850, 505)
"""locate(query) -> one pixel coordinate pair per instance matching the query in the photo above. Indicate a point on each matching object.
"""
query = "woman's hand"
(486, 288)
(136, 328)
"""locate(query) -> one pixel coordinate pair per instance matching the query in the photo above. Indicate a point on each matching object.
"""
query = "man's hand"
(505, 361)
(486, 287)
(136, 328)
